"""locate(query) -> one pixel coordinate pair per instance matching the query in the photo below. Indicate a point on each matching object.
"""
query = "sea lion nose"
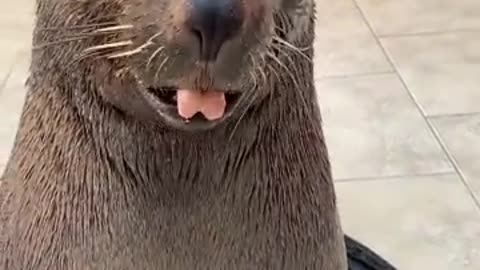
(212, 23)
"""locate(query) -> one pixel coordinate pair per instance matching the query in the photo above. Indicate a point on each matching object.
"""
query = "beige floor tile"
(461, 136)
(16, 25)
(16, 36)
(441, 71)
(16, 69)
(15, 42)
(412, 16)
(8, 59)
(344, 44)
(16, 20)
(17, 13)
(11, 102)
(418, 223)
(374, 129)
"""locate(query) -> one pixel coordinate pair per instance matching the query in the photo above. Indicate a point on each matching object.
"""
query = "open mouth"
(194, 106)
(168, 95)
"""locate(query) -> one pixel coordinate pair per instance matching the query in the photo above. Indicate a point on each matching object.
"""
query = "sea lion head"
(195, 63)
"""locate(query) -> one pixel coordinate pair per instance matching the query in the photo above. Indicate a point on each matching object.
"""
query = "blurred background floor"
(399, 87)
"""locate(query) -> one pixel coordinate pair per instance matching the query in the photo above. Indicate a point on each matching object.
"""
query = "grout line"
(354, 75)
(454, 162)
(435, 133)
(452, 115)
(439, 140)
(430, 33)
(377, 40)
(3, 83)
(392, 177)
(5, 79)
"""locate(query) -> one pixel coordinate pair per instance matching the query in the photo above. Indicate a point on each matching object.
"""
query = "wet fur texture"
(95, 182)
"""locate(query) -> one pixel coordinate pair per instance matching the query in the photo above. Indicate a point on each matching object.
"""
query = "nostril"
(212, 23)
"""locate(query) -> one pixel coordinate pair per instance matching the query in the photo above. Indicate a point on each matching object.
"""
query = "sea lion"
(171, 134)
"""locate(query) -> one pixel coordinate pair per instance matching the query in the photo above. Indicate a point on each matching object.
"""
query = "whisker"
(289, 58)
(91, 34)
(258, 66)
(78, 60)
(263, 74)
(139, 49)
(285, 67)
(250, 98)
(84, 35)
(94, 55)
(164, 62)
(109, 46)
(76, 27)
(58, 42)
(293, 47)
(284, 19)
(273, 72)
(154, 54)
(128, 53)
(5, 79)
(303, 99)
(115, 28)
(254, 64)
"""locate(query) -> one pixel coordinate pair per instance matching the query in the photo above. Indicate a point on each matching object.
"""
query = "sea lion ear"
(300, 14)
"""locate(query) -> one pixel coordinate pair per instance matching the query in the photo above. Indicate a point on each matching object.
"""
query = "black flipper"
(361, 257)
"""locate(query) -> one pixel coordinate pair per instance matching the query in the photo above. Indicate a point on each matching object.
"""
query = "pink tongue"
(210, 103)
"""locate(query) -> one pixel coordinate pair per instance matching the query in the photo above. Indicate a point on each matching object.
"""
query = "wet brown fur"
(95, 182)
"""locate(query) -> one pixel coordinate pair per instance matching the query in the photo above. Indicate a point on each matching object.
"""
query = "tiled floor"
(399, 86)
